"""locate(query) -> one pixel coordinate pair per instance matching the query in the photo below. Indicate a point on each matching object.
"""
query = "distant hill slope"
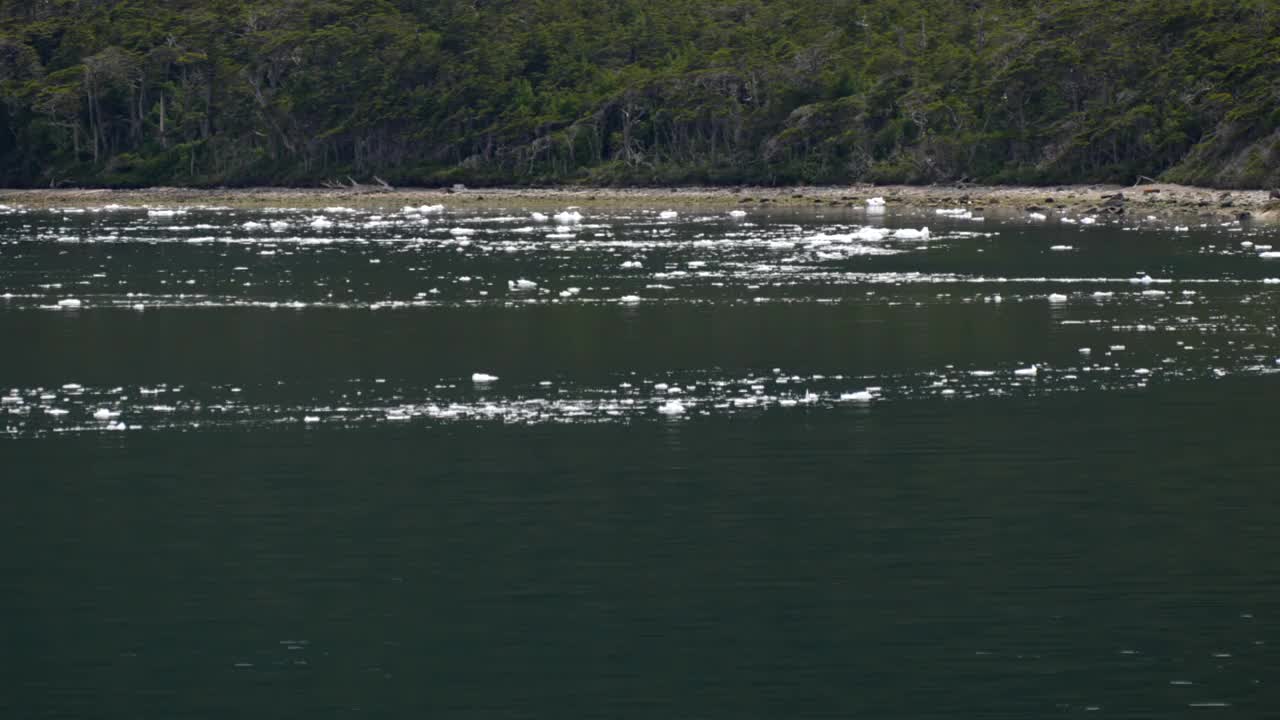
(140, 92)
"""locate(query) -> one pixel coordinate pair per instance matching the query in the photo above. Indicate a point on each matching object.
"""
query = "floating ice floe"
(321, 223)
(865, 234)
(1068, 221)
(568, 217)
(1269, 255)
(859, 396)
(1037, 216)
(1061, 248)
(632, 265)
(69, 303)
(460, 231)
(1032, 371)
(629, 299)
(105, 414)
(165, 213)
(1057, 298)
(521, 284)
(668, 214)
(482, 378)
(737, 213)
(538, 217)
(1088, 220)
(671, 407)
(911, 234)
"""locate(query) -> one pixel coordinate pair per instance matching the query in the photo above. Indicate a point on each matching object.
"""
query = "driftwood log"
(353, 186)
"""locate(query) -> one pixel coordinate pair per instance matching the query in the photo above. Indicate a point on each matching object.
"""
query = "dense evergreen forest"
(424, 92)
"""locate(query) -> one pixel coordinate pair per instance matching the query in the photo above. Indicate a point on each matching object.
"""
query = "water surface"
(788, 464)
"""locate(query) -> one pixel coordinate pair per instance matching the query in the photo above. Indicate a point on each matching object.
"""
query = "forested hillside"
(202, 92)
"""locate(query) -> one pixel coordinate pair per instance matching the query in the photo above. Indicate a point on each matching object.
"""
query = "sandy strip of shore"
(1161, 200)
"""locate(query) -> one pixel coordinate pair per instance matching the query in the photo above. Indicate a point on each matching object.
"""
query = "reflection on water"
(783, 465)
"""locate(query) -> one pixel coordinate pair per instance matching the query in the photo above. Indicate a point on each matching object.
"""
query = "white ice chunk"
(911, 234)
(671, 407)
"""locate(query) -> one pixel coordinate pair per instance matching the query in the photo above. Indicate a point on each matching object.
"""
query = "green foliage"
(203, 92)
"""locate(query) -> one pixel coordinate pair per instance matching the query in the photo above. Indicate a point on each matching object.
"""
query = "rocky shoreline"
(1157, 199)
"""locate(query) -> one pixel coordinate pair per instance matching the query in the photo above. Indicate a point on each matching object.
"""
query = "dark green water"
(216, 504)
